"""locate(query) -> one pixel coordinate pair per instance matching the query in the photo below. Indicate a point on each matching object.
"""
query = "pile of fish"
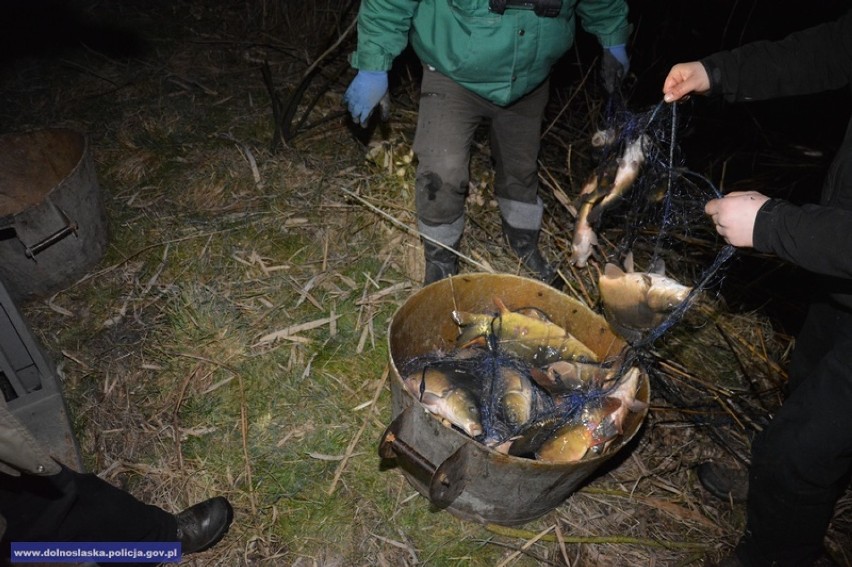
(524, 386)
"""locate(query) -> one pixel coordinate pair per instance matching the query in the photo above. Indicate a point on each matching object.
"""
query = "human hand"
(685, 78)
(734, 216)
(364, 93)
(614, 66)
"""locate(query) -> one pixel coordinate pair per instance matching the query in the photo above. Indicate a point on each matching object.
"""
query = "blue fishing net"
(660, 218)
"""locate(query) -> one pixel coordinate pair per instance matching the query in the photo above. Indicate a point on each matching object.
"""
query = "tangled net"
(659, 219)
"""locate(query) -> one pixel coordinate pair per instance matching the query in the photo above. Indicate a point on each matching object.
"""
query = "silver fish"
(637, 302)
(598, 194)
(566, 376)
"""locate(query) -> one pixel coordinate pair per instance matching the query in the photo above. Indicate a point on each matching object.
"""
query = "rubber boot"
(440, 262)
(724, 483)
(525, 245)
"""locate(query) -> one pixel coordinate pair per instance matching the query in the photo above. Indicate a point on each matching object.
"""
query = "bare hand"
(734, 216)
(685, 78)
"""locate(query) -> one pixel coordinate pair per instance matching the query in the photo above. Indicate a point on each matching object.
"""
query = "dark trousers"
(448, 117)
(71, 506)
(801, 462)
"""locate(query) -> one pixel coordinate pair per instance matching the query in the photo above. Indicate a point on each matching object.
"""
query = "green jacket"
(499, 57)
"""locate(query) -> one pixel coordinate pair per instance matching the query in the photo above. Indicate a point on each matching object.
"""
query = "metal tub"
(453, 471)
(52, 220)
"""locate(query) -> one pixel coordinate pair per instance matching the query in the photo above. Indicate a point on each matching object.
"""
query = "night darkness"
(746, 146)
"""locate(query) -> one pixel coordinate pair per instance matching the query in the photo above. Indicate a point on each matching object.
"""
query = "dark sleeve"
(814, 237)
(813, 60)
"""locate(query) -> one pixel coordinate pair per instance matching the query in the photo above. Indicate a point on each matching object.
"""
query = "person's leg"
(515, 143)
(71, 506)
(447, 119)
(802, 461)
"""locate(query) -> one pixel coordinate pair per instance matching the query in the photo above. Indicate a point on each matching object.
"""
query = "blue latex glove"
(614, 66)
(364, 93)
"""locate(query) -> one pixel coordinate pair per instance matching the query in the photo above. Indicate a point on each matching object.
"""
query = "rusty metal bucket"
(452, 470)
(52, 220)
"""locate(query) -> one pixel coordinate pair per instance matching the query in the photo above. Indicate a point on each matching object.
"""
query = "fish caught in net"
(524, 386)
(651, 209)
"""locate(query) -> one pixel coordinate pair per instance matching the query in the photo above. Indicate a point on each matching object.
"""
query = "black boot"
(201, 526)
(728, 484)
(525, 245)
(440, 262)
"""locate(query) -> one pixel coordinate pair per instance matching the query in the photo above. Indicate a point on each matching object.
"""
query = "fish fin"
(471, 340)
(501, 307)
(610, 404)
(428, 398)
(628, 262)
(590, 187)
(542, 378)
(658, 267)
(613, 271)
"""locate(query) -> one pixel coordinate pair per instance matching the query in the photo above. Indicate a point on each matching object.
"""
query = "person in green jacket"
(482, 61)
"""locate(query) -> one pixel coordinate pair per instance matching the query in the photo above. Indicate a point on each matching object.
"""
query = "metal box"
(30, 385)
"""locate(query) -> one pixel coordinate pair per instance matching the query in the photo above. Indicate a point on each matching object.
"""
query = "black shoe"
(525, 244)
(728, 484)
(440, 262)
(201, 526)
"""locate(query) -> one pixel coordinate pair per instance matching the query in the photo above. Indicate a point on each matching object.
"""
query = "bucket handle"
(446, 481)
(70, 227)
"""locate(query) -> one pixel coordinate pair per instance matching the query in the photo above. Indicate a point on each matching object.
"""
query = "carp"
(447, 393)
(584, 235)
(530, 337)
(565, 376)
(599, 423)
(637, 302)
(517, 396)
(625, 392)
(597, 195)
(572, 441)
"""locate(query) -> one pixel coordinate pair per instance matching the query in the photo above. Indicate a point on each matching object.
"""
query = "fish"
(447, 393)
(574, 440)
(599, 193)
(629, 164)
(584, 235)
(565, 376)
(625, 391)
(599, 423)
(526, 334)
(506, 324)
(637, 302)
(530, 438)
(517, 398)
